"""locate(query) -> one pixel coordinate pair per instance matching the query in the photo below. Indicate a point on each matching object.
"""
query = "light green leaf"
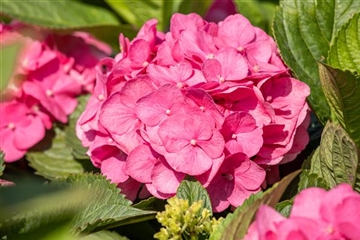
(244, 215)
(342, 90)
(72, 141)
(67, 16)
(259, 13)
(60, 14)
(304, 31)
(137, 12)
(193, 191)
(8, 57)
(345, 50)
(104, 235)
(107, 208)
(55, 160)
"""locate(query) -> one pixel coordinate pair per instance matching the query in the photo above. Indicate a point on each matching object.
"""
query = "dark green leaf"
(309, 179)
(259, 13)
(243, 216)
(56, 160)
(304, 31)
(345, 50)
(342, 90)
(193, 191)
(107, 208)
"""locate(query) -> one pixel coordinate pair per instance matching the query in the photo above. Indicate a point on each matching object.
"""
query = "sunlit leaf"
(304, 31)
(345, 50)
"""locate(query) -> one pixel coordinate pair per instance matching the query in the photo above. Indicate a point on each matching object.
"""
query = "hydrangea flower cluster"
(51, 71)
(316, 214)
(212, 101)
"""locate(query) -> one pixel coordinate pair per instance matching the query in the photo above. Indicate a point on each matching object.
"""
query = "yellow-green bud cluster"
(181, 220)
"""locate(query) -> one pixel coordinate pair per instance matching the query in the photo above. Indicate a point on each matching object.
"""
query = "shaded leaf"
(72, 141)
(55, 160)
(309, 179)
(304, 31)
(243, 216)
(345, 50)
(106, 208)
(284, 207)
(342, 90)
(339, 160)
(259, 13)
(193, 191)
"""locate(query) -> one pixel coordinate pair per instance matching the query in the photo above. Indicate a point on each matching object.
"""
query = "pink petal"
(140, 163)
(165, 179)
(27, 136)
(114, 167)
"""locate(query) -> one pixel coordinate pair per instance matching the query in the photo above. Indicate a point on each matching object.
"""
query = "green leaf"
(284, 207)
(345, 50)
(104, 235)
(137, 12)
(55, 160)
(339, 160)
(304, 31)
(107, 208)
(2, 163)
(8, 57)
(66, 16)
(310, 179)
(259, 13)
(193, 191)
(72, 141)
(30, 214)
(60, 14)
(241, 219)
(342, 90)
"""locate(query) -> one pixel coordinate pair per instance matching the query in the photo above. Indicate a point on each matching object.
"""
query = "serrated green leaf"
(304, 31)
(72, 141)
(345, 51)
(107, 208)
(342, 90)
(56, 160)
(284, 207)
(65, 16)
(338, 157)
(193, 191)
(259, 13)
(310, 179)
(241, 219)
(104, 235)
